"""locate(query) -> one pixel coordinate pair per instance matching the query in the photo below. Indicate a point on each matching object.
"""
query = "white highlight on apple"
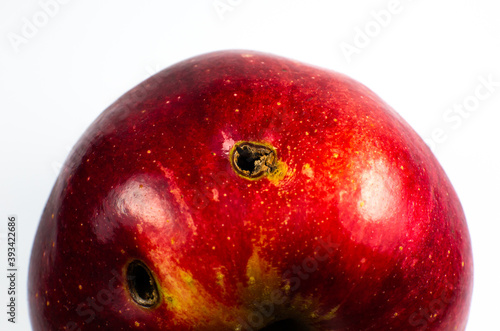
(31, 26)
(378, 184)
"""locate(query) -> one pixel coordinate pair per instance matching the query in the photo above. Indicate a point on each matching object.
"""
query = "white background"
(60, 66)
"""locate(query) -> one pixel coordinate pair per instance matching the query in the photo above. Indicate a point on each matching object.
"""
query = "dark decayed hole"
(247, 158)
(286, 325)
(142, 285)
(253, 160)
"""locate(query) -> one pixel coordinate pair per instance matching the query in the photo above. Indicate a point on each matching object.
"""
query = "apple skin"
(357, 226)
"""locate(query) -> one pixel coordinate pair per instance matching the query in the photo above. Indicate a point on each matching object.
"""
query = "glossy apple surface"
(243, 191)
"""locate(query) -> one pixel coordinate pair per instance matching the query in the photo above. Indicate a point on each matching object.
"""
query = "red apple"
(244, 191)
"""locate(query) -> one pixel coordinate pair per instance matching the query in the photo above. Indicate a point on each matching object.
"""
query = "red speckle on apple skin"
(358, 228)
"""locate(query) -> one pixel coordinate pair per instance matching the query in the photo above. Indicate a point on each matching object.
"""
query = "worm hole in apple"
(253, 160)
(142, 285)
